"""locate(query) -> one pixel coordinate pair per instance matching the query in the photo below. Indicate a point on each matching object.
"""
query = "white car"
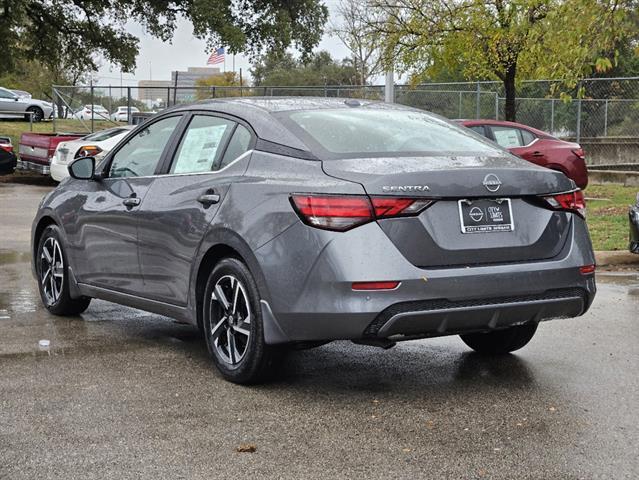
(99, 113)
(96, 145)
(14, 106)
(121, 115)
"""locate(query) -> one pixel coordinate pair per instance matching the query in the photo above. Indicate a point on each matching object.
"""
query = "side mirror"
(83, 168)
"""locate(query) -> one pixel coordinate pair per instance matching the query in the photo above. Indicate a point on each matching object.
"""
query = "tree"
(226, 79)
(78, 33)
(506, 40)
(351, 28)
(317, 69)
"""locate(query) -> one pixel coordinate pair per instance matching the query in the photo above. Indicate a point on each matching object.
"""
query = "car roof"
(258, 112)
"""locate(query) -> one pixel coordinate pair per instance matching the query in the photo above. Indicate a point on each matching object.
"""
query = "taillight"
(579, 152)
(343, 212)
(6, 148)
(88, 151)
(587, 269)
(571, 201)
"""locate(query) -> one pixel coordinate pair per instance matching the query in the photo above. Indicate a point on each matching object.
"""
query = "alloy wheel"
(230, 315)
(51, 270)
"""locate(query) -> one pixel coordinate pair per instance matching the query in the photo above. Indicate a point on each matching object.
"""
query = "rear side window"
(527, 136)
(361, 132)
(239, 144)
(201, 144)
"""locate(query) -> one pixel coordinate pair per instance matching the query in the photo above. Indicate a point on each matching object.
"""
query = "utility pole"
(389, 87)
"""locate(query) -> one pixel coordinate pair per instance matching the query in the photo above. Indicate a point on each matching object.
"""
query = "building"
(154, 92)
(186, 81)
(150, 90)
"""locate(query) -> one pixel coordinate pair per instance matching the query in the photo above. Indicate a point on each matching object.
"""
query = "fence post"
(92, 107)
(496, 106)
(552, 116)
(578, 113)
(55, 106)
(606, 119)
(214, 92)
(460, 105)
(478, 104)
(128, 105)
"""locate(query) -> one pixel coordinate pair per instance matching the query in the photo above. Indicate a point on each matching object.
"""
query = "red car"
(535, 146)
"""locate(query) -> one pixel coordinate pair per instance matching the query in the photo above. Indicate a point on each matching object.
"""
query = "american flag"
(216, 57)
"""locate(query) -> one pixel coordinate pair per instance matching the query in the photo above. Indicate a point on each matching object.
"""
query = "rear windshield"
(362, 132)
(105, 134)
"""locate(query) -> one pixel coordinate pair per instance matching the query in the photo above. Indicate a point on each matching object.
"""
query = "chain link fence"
(605, 119)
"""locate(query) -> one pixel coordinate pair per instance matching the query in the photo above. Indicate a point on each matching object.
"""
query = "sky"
(156, 59)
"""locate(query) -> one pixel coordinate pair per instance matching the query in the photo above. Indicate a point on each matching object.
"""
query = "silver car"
(278, 222)
(13, 105)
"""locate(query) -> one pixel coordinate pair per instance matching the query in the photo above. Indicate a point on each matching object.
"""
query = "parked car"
(634, 226)
(277, 221)
(96, 145)
(36, 150)
(99, 113)
(22, 93)
(7, 157)
(535, 146)
(122, 114)
(13, 106)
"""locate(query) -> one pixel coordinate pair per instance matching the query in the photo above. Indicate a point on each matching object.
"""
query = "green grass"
(13, 128)
(608, 220)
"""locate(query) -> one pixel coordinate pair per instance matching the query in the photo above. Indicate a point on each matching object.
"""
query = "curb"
(616, 258)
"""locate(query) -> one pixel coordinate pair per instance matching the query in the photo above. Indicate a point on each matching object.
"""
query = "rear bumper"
(311, 296)
(33, 166)
(441, 317)
(59, 171)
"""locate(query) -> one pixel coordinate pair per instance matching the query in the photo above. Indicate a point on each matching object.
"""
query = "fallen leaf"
(246, 448)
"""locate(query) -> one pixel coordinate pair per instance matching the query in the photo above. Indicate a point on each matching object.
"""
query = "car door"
(181, 204)
(107, 240)
(519, 141)
(10, 103)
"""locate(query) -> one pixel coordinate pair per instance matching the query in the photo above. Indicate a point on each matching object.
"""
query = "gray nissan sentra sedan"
(273, 223)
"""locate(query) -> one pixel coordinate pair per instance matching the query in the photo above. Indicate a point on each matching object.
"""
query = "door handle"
(131, 202)
(537, 154)
(208, 198)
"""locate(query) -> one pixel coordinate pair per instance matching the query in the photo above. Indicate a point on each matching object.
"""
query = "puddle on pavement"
(8, 257)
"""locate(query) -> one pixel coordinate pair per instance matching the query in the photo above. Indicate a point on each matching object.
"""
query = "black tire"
(38, 114)
(501, 342)
(55, 296)
(253, 361)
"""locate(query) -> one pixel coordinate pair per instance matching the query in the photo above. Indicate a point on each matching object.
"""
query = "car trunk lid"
(435, 238)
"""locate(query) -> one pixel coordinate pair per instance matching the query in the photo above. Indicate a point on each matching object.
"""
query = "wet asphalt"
(120, 393)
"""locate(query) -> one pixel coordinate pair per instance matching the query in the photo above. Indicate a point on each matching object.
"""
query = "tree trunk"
(509, 87)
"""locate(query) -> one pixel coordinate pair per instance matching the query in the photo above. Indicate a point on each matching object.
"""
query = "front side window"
(6, 94)
(478, 129)
(140, 156)
(361, 132)
(201, 144)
